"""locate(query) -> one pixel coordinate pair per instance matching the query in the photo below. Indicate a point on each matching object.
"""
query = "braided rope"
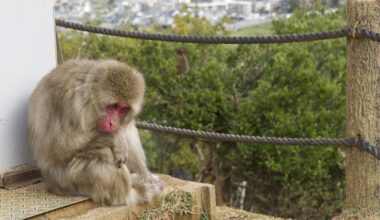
(286, 38)
(262, 140)
(363, 33)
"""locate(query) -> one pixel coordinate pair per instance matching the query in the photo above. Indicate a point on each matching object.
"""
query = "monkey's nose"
(111, 125)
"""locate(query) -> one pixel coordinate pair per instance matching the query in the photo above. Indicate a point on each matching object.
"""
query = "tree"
(298, 92)
(295, 90)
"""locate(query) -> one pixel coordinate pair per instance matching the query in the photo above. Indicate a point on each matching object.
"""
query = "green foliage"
(295, 90)
(300, 94)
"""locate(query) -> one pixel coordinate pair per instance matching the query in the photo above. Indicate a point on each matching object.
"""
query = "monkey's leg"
(93, 173)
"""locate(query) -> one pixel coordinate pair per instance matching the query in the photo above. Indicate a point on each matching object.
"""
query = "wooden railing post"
(363, 106)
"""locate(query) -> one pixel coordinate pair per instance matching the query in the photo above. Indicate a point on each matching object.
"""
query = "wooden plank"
(58, 48)
(20, 176)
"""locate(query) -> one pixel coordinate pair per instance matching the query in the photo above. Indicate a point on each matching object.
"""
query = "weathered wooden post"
(363, 106)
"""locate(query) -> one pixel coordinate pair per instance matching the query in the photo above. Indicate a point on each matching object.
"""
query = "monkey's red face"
(115, 113)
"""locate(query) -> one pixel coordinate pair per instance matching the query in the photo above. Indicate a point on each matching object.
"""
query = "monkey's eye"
(114, 105)
(124, 110)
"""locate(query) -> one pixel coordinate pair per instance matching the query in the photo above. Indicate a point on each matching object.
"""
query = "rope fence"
(262, 140)
(286, 38)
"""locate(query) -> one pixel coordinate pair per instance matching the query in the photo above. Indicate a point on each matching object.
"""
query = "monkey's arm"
(120, 149)
(136, 160)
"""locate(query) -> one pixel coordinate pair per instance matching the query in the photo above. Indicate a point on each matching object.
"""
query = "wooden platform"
(181, 200)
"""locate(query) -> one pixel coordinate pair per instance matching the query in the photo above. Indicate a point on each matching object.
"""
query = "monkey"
(183, 66)
(81, 129)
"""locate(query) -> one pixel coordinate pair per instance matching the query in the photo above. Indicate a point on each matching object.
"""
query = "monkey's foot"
(143, 193)
(148, 178)
(152, 188)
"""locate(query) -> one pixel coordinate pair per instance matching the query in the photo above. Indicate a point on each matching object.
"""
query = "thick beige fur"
(74, 157)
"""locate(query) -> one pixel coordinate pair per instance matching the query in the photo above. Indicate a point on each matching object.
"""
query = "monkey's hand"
(120, 154)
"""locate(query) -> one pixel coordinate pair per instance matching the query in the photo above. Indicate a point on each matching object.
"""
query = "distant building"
(242, 9)
(234, 8)
(208, 6)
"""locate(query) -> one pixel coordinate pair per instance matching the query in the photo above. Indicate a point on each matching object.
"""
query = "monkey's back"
(61, 110)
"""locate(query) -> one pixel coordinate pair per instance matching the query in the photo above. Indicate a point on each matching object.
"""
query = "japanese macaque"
(183, 66)
(83, 136)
